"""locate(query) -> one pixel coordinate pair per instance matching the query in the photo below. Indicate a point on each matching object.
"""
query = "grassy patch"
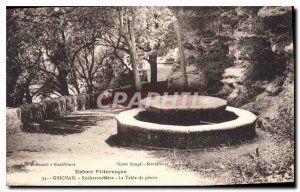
(259, 161)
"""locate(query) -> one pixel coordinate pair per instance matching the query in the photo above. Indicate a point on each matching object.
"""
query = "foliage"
(263, 160)
(284, 125)
(46, 46)
(22, 58)
(124, 78)
(275, 166)
(153, 25)
(265, 63)
(213, 66)
(70, 50)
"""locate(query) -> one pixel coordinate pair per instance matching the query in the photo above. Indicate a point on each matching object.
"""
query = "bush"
(265, 63)
(284, 126)
(213, 66)
(123, 79)
(273, 166)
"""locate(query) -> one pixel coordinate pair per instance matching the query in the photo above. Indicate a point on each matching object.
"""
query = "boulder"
(196, 79)
(289, 48)
(273, 11)
(275, 87)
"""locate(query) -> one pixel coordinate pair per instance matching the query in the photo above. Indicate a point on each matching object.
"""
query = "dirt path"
(83, 140)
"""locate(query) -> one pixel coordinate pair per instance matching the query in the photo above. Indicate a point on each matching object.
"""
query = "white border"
(150, 3)
(3, 5)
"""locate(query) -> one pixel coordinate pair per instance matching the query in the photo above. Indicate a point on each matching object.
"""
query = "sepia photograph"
(150, 96)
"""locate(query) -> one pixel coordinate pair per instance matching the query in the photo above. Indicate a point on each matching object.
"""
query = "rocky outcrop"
(13, 120)
(275, 105)
(205, 65)
(247, 59)
(250, 70)
(259, 56)
(196, 78)
(191, 55)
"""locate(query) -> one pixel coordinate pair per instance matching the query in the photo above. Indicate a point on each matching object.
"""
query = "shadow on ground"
(66, 125)
(115, 141)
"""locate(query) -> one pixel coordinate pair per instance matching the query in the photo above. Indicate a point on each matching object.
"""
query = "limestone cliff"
(246, 57)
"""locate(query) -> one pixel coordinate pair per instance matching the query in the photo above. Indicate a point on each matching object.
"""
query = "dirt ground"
(86, 141)
(84, 138)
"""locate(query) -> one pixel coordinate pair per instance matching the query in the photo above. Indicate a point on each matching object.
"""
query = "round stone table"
(157, 135)
(180, 103)
(199, 122)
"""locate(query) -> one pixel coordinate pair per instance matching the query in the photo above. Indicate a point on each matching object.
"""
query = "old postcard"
(149, 96)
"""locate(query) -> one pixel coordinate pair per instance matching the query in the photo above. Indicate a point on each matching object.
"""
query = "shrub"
(273, 166)
(284, 126)
(265, 63)
(213, 66)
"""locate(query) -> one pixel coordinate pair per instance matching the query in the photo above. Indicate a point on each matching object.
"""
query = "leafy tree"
(68, 31)
(70, 50)
(150, 29)
(92, 63)
(56, 36)
(23, 55)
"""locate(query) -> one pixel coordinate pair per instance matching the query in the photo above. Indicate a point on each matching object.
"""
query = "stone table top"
(183, 103)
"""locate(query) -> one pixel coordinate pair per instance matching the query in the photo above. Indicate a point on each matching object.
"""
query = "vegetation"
(213, 66)
(59, 51)
(263, 160)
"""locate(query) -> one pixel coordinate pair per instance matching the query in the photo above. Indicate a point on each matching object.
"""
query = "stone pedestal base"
(137, 132)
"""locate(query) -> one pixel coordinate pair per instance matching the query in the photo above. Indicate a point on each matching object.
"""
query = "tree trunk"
(181, 53)
(153, 67)
(90, 88)
(13, 71)
(130, 40)
(64, 87)
(63, 66)
(136, 76)
(74, 81)
(28, 95)
(133, 56)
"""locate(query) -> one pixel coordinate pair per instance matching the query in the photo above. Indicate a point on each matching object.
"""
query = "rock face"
(275, 106)
(247, 59)
(196, 78)
(202, 70)
(262, 78)
(250, 69)
(259, 60)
